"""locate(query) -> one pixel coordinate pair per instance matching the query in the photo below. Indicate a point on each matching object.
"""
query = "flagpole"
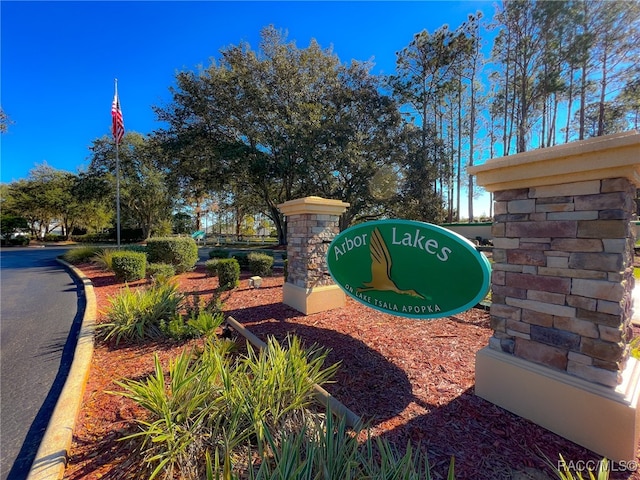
(117, 197)
(117, 183)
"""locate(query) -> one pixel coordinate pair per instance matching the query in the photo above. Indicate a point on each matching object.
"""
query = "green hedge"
(160, 270)
(217, 253)
(211, 266)
(242, 259)
(17, 241)
(181, 252)
(260, 264)
(129, 266)
(228, 273)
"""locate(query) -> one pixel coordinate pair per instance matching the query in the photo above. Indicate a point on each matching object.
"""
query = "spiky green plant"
(330, 450)
(190, 414)
(205, 401)
(564, 472)
(104, 258)
(279, 383)
(137, 314)
(205, 322)
(202, 323)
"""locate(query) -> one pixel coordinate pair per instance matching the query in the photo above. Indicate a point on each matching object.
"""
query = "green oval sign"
(408, 268)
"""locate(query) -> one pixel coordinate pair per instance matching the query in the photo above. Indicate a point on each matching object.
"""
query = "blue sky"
(59, 59)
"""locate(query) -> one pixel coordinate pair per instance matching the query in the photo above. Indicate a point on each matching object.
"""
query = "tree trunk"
(570, 102)
(603, 89)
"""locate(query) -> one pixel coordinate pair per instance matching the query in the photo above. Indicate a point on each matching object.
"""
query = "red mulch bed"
(412, 380)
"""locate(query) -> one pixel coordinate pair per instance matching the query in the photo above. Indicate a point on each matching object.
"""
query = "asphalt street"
(41, 308)
(41, 311)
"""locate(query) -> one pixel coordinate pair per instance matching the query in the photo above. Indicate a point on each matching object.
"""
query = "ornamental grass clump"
(201, 324)
(80, 254)
(216, 402)
(134, 315)
(103, 258)
(215, 415)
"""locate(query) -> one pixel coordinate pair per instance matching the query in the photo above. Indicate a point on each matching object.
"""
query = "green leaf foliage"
(260, 264)
(160, 272)
(80, 254)
(218, 253)
(211, 266)
(181, 252)
(228, 273)
(242, 259)
(129, 266)
(204, 402)
(222, 416)
(134, 315)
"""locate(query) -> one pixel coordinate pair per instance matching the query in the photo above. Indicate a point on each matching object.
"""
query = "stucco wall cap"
(610, 156)
(316, 205)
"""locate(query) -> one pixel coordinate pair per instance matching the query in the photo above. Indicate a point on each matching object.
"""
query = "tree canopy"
(257, 127)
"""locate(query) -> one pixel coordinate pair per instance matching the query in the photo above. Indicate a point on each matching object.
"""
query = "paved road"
(40, 315)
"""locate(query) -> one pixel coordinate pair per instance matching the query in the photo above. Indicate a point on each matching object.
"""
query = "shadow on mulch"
(489, 442)
(486, 441)
(379, 383)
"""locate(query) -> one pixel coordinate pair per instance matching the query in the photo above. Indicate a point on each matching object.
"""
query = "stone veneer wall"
(562, 276)
(308, 238)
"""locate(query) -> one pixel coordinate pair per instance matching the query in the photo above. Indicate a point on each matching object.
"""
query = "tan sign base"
(313, 300)
(601, 419)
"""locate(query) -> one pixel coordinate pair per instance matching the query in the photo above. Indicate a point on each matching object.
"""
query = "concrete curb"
(51, 459)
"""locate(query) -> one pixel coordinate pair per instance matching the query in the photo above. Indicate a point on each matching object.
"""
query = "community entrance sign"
(408, 268)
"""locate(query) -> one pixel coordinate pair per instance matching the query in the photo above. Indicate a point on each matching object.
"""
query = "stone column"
(312, 223)
(562, 285)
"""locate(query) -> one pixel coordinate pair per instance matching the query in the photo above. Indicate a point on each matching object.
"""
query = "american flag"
(117, 122)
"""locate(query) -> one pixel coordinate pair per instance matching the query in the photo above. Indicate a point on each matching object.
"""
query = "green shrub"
(91, 238)
(80, 255)
(260, 264)
(218, 253)
(53, 237)
(228, 273)
(160, 272)
(212, 266)
(129, 266)
(19, 241)
(241, 258)
(135, 248)
(181, 252)
(137, 314)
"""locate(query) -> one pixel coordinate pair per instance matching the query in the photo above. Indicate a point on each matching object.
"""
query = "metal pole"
(115, 138)
(117, 196)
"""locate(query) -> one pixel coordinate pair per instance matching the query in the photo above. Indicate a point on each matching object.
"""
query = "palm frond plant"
(134, 315)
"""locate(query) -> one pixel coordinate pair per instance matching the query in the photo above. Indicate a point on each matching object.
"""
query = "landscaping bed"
(410, 380)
